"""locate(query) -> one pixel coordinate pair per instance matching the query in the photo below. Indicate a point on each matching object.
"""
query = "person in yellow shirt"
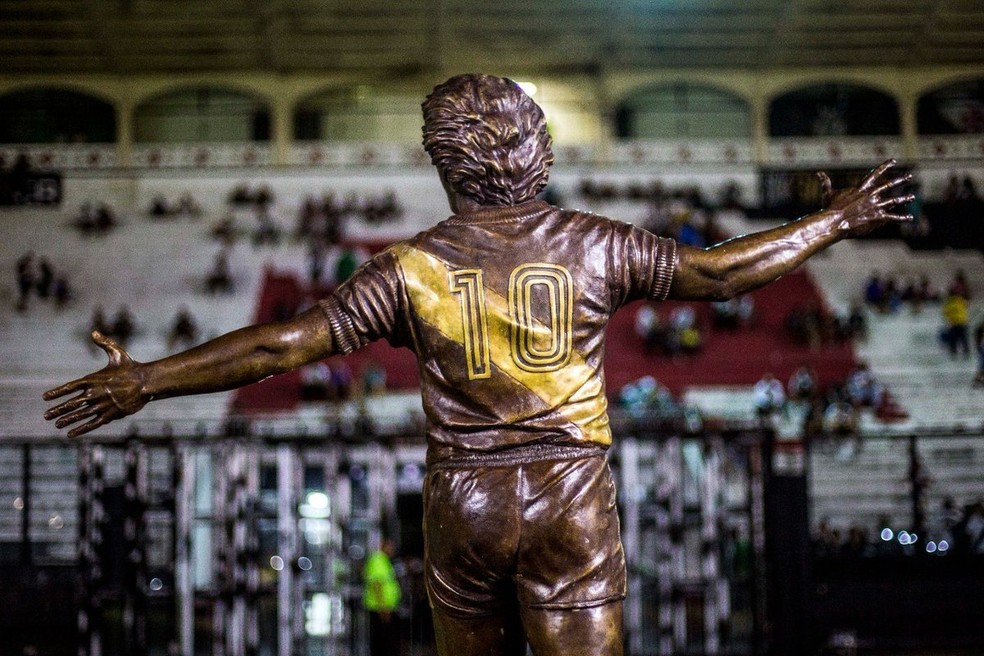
(381, 596)
(956, 315)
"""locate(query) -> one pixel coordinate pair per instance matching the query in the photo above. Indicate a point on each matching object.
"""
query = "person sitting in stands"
(184, 331)
(219, 279)
(862, 388)
(105, 220)
(267, 231)
(123, 325)
(188, 206)
(62, 290)
(802, 384)
(315, 381)
(957, 317)
(770, 397)
(46, 276)
(874, 292)
(958, 286)
(734, 312)
(159, 207)
(85, 221)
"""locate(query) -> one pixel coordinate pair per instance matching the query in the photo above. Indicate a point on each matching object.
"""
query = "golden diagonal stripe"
(575, 390)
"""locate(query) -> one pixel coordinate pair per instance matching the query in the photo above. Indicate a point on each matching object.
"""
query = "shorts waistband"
(520, 455)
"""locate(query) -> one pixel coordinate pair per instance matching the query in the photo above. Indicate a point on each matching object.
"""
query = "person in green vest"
(381, 596)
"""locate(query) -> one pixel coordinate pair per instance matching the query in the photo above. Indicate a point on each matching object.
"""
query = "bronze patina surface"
(505, 305)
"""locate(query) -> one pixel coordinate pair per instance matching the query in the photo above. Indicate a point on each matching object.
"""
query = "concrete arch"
(53, 114)
(630, 121)
(789, 118)
(81, 86)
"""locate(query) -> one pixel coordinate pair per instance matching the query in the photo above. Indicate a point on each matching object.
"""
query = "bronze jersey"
(506, 310)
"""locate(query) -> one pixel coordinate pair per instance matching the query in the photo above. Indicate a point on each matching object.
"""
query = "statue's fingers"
(88, 426)
(897, 200)
(876, 173)
(76, 416)
(66, 407)
(67, 388)
(891, 184)
(901, 218)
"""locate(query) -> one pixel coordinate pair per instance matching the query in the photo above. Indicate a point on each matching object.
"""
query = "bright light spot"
(529, 88)
(304, 563)
(887, 534)
(316, 504)
(930, 547)
(18, 504)
(156, 584)
(904, 537)
(913, 538)
(943, 546)
(56, 522)
(317, 615)
(277, 563)
(317, 500)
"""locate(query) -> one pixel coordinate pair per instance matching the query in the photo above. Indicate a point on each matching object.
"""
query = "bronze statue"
(505, 304)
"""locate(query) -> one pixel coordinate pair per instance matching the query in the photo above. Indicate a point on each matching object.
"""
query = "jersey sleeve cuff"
(342, 328)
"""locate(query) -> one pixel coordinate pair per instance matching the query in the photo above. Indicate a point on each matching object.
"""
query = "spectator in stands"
(316, 260)
(159, 208)
(769, 395)
(826, 540)
(686, 333)
(813, 426)
(307, 218)
(968, 533)
(855, 324)
(874, 292)
(188, 206)
(956, 318)
(85, 220)
(649, 328)
(373, 379)
(891, 295)
(184, 330)
(62, 290)
(219, 278)
(123, 325)
(857, 544)
(240, 195)
(862, 388)
(347, 263)
(802, 384)
(341, 381)
(267, 231)
(263, 197)
(315, 381)
(733, 313)
(46, 276)
(26, 278)
(225, 229)
(840, 418)
(105, 219)
(808, 324)
(958, 286)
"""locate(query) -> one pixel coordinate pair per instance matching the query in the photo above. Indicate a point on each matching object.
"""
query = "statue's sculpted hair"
(488, 139)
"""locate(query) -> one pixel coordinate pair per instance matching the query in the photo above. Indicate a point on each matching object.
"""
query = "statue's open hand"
(873, 203)
(110, 393)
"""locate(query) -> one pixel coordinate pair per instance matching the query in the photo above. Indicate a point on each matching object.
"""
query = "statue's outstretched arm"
(745, 263)
(243, 356)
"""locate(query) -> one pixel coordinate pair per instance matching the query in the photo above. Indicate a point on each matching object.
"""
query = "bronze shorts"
(541, 528)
